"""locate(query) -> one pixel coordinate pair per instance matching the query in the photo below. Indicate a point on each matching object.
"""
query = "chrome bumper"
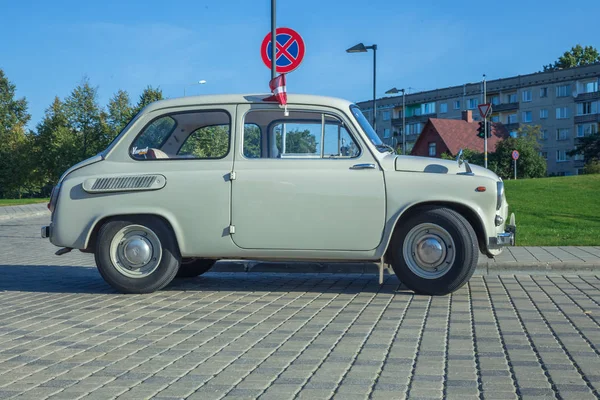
(45, 232)
(507, 238)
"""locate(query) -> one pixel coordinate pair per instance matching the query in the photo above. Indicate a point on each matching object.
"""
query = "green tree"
(252, 141)
(530, 163)
(86, 119)
(588, 146)
(207, 142)
(592, 167)
(120, 112)
(148, 96)
(576, 57)
(297, 141)
(56, 146)
(15, 143)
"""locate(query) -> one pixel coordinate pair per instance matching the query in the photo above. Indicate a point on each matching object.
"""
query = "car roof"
(246, 98)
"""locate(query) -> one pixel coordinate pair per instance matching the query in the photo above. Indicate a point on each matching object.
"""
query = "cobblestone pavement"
(64, 334)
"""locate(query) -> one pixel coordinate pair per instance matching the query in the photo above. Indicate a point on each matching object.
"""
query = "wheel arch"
(467, 212)
(92, 236)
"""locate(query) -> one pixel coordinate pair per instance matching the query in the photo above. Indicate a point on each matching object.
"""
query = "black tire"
(164, 269)
(456, 268)
(191, 268)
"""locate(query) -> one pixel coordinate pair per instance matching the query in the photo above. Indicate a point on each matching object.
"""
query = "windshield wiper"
(385, 146)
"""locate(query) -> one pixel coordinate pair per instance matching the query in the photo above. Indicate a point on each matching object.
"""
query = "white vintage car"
(193, 180)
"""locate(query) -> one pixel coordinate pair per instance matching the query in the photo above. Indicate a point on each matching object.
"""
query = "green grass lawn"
(558, 211)
(20, 202)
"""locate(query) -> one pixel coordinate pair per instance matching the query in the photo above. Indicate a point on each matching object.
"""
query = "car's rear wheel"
(192, 267)
(137, 254)
(435, 251)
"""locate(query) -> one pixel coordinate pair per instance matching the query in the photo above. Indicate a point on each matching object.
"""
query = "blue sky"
(46, 48)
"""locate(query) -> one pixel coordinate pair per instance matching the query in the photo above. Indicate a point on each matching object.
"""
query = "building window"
(495, 100)
(589, 86)
(544, 134)
(543, 113)
(578, 157)
(428, 108)
(588, 107)
(511, 118)
(544, 92)
(495, 118)
(526, 116)
(432, 151)
(457, 104)
(562, 134)
(511, 98)
(413, 129)
(386, 115)
(562, 112)
(561, 155)
(444, 108)
(526, 95)
(513, 134)
(563, 90)
(472, 104)
(587, 129)
(544, 154)
(386, 133)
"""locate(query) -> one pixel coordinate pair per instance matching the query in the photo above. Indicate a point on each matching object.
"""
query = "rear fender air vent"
(124, 183)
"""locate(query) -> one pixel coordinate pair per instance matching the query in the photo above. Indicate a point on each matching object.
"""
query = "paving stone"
(63, 327)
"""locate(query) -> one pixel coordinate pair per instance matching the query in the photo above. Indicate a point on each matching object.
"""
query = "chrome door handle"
(363, 166)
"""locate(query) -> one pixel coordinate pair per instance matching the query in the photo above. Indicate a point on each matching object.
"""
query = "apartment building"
(565, 103)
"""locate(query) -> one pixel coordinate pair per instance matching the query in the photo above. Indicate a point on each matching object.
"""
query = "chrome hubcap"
(429, 251)
(135, 251)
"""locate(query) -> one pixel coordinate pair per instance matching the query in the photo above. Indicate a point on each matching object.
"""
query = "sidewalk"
(513, 260)
(24, 211)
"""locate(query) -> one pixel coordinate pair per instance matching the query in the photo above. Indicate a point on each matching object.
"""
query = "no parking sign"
(289, 51)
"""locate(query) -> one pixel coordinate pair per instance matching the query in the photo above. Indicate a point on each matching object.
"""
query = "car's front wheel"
(137, 254)
(434, 251)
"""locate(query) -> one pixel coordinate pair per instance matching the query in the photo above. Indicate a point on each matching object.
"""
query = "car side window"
(301, 134)
(184, 135)
(206, 142)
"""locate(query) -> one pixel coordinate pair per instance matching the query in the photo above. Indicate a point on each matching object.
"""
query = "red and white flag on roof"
(278, 89)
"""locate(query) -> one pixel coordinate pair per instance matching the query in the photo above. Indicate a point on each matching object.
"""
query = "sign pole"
(485, 126)
(273, 40)
(515, 161)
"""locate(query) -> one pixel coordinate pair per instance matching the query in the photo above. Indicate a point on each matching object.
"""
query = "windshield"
(368, 129)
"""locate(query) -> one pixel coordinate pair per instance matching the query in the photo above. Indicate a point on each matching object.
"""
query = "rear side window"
(185, 135)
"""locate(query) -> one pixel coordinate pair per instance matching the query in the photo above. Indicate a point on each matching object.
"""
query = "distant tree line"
(72, 129)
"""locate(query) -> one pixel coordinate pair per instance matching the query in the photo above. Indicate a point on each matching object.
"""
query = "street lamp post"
(361, 48)
(202, 82)
(394, 90)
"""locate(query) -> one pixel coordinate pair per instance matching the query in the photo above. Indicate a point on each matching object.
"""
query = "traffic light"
(481, 129)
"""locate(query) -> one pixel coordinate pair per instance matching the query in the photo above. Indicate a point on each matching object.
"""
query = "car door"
(305, 181)
(193, 149)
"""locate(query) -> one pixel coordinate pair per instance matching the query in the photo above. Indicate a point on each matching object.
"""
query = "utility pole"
(374, 47)
(273, 40)
(403, 123)
(485, 133)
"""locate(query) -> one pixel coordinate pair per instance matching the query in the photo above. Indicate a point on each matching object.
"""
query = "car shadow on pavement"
(77, 279)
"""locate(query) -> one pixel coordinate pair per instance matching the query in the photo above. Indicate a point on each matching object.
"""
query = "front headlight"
(499, 194)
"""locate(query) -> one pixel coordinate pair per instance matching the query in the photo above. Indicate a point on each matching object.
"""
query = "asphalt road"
(65, 334)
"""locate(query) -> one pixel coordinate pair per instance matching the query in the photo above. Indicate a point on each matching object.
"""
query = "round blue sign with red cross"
(288, 53)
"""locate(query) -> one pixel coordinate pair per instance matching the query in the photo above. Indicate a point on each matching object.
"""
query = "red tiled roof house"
(450, 135)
